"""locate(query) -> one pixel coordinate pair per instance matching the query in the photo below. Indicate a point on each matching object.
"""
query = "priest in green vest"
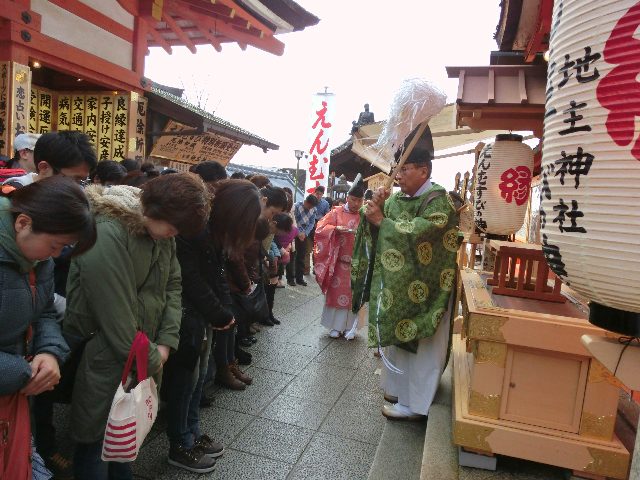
(404, 265)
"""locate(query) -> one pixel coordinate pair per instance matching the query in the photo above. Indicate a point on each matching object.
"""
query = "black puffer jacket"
(205, 294)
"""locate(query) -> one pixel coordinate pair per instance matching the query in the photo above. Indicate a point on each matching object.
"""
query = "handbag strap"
(140, 351)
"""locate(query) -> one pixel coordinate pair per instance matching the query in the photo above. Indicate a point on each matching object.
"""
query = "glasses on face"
(80, 181)
(407, 168)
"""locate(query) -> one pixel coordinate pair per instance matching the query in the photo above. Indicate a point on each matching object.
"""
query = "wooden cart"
(526, 387)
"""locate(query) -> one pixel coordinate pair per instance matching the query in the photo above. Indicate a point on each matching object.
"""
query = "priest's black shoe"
(275, 321)
(301, 282)
(245, 342)
(267, 322)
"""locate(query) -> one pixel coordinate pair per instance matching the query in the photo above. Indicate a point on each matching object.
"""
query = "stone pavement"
(312, 412)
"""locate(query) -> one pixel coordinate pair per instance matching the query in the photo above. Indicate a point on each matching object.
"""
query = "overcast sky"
(361, 50)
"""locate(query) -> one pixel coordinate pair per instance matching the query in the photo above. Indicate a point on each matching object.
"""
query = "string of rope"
(626, 341)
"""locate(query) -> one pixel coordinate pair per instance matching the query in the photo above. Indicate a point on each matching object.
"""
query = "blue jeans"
(183, 399)
(88, 464)
(193, 417)
(179, 394)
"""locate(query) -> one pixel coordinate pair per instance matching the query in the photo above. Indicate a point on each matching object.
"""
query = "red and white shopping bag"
(132, 411)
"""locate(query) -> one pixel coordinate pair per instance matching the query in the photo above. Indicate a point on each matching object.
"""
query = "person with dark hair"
(210, 171)
(135, 178)
(245, 274)
(108, 172)
(274, 200)
(237, 176)
(36, 223)
(335, 234)
(148, 167)
(259, 181)
(67, 153)
(129, 282)
(305, 215)
(206, 307)
(130, 165)
(280, 225)
(234, 238)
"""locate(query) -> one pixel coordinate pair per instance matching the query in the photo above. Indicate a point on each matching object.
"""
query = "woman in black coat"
(206, 307)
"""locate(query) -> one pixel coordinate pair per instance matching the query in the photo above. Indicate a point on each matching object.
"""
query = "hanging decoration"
(503, 184)
(591, 157)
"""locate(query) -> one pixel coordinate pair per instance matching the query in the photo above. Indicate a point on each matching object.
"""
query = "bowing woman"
(36, 223)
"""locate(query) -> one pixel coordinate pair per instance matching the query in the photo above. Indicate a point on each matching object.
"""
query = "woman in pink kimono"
(334, 237)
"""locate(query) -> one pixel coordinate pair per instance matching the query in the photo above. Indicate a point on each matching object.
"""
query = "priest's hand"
(373, 213)
(380, 196)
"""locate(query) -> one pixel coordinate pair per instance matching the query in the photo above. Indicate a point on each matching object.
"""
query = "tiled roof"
(216, 124)
(277, 177)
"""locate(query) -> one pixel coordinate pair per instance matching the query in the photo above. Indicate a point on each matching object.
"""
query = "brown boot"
(239, 374)
(226, 378)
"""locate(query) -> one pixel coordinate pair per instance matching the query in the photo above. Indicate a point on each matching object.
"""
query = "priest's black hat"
(422, 153)
(357, 187)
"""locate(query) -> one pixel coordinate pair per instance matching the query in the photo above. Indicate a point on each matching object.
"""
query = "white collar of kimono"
(346, 208)
(425, 186)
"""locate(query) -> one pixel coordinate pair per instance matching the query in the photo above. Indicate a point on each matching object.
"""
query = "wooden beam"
(543, 27)
(95, 17)
(166, 17)
(460, 85)
(217, 27)
(217, 9)
(157, 36)
(253, 21)
(213, 40)
(491, 94)
(72, 60)
(13, 12)
(522, 87)
(140, 48)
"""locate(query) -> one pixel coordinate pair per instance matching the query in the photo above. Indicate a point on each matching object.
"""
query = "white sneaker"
(350, 335)
(401, 412)
(334, 334)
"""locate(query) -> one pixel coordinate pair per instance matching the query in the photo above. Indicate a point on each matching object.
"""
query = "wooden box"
(520, 270)
(526, 387)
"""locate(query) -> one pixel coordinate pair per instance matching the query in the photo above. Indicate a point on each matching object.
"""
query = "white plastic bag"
(132, 411)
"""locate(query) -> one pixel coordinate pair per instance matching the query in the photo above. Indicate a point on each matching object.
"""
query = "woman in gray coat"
(36, 223)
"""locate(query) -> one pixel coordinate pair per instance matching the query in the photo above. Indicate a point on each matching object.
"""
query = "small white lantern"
(590, 215)
(503, 183)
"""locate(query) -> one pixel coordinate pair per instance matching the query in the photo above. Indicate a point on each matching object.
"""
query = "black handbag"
(253, 306)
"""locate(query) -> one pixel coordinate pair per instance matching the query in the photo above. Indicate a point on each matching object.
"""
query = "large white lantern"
(503, 183)
(591, 157)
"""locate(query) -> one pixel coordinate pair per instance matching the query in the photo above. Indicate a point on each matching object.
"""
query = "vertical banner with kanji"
(105, 129)
(33, 111)
(77, 113)
(45, 100)
(120, 125)
(21, 99)
(137, 127)
(64, 112)
(319, 144)
(91, 118)
(4, 108)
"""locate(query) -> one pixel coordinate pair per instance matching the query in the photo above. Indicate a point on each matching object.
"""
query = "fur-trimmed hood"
(121, 202)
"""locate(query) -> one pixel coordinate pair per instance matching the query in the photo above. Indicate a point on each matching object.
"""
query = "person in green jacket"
(404, 264)
(129, 281)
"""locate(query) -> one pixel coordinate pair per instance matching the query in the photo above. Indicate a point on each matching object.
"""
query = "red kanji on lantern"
(515, 184)
(619, 90)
